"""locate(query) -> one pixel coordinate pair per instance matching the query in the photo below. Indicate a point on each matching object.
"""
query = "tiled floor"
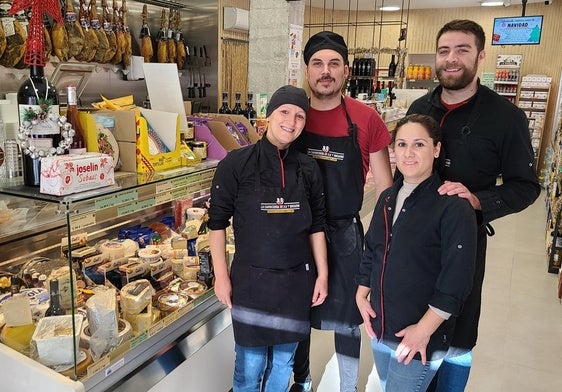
(520, 343)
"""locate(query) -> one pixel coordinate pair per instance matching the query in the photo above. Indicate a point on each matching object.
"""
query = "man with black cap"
(347, 138)
(275, 197)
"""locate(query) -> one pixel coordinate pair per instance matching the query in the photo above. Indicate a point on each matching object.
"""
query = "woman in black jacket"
(275, 197)
(418, 263)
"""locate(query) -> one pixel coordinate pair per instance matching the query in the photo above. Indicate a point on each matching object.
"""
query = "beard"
(457, 82)
(323, 93)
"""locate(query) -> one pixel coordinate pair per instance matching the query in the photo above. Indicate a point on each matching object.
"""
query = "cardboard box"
(66, 174)
(167, 126)
(132, 135)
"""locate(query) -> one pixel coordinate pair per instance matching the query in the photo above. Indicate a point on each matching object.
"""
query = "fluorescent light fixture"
(491, 3)
(389, 8)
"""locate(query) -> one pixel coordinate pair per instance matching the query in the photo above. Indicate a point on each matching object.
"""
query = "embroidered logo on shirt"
(325, 154)
(281, 207)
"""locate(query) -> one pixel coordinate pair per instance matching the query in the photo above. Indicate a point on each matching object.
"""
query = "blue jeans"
(397, 377)
(263, 369)
(453, 374)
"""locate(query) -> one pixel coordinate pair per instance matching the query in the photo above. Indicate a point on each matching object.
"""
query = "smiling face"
(457, 60)
(415, 152)
(285, 124)
(326, 74)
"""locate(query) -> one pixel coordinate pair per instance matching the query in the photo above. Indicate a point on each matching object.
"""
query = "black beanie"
(287, 95)
(325, 40)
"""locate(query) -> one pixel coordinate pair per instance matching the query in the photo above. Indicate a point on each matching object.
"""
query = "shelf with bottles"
(83, 266)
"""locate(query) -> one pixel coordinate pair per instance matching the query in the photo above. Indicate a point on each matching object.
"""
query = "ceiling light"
(491, 3)
(389, 8)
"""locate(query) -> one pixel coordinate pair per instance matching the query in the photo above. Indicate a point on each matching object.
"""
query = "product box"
(66, 174)
(53, 338)
(156, 130)
(139, 134)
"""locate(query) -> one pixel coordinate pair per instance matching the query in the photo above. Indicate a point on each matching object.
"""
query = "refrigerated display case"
(43, 233)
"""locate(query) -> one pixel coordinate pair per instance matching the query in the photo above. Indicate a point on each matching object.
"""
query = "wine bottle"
(55, 308)
(78, 145)
(392, 67)
(37, 98)
(237, 104)
(251, 113)
(224, 109)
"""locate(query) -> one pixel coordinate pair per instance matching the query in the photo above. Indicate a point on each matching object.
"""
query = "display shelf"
(49, 230)
(507, 75)
(533, 99)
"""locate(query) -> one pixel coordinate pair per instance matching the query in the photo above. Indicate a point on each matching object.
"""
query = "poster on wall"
(295, 45)
(509, 61)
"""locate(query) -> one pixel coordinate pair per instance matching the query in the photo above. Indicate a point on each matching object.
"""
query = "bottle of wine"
(55, 308)
(251, 113)
(78, 145)
(224, 109)
(392, 67)
(238, 104)
(37, 98)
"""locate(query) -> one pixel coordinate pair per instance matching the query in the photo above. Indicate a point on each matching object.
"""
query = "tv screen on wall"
(521, 30)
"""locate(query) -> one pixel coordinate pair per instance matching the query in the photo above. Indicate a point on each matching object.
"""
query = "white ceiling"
(414, 4)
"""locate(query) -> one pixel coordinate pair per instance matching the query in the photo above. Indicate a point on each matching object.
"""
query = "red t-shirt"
(372, 134)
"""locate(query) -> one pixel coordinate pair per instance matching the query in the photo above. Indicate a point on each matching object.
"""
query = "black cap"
(287, 95)
(325, 40)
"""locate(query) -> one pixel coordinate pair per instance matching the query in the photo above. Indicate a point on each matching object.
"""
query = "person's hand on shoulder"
(456, 188)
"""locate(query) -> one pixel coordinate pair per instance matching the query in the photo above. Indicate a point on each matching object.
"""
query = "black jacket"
(426, 258)
(482, 139)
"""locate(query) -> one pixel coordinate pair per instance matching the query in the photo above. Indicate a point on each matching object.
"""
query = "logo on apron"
(281, 207)
(325, 154)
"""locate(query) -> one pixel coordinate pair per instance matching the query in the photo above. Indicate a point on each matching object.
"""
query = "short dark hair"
(466, 26)
(430, 125)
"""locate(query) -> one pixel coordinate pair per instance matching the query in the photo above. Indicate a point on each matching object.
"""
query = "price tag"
(126, 197)
(178, 193)
(179, 182)
(164, 198)
(156, 328)
(120, 198)
(165, 186)
(139, 339)
(82, 221)
(97, 366)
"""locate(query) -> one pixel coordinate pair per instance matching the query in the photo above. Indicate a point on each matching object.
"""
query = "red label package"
(66, 174)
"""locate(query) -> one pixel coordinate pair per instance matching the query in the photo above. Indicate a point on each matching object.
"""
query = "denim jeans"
(263, 369)
(348, 346)
(453, 374)
(397, 377)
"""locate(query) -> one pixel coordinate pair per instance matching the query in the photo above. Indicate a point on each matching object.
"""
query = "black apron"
(341, 165)
(272, 273)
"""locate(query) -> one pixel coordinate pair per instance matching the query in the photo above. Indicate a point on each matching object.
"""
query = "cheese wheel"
(18, 338)
(112, 249)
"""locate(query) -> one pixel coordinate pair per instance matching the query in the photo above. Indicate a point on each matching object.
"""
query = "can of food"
(199, 148)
